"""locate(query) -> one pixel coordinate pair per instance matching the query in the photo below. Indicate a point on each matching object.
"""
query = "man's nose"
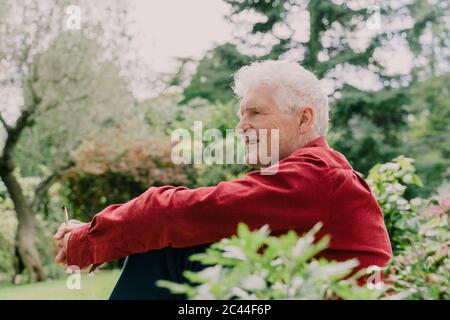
(243, 125)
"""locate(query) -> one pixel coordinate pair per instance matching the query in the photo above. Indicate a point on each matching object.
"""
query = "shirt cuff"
(79, 251)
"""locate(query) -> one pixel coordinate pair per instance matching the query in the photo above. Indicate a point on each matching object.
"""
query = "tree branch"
(43, 187)
(5, 125)
(15, 132)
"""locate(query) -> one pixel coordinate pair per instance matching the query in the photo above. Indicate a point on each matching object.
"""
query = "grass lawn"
(94, 286)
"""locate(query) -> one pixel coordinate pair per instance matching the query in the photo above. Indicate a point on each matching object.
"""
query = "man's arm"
(298, 196)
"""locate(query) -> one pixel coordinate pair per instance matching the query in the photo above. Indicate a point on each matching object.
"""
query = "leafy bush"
(115, 167)
(422, 270)
(389, 182)
(419, 232)
(8, 226)
(286, 269)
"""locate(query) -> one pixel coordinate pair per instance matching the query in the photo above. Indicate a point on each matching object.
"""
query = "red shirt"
(313, 184)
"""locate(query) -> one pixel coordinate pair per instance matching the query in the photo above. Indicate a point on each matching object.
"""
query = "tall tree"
(60, 76)
(346, 42)
(428, 137)
(214, 74)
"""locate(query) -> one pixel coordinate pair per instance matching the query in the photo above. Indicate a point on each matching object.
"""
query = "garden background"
(86, 120)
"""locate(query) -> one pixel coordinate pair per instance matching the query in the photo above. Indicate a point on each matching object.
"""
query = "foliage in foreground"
(288, 268)
(389, 182)
(422, 270)
(419, 232)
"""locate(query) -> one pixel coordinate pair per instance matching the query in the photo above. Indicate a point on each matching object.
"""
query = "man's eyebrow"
(239, 111)
(250, 106)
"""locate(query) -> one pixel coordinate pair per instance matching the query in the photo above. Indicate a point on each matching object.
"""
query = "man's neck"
(307, 139)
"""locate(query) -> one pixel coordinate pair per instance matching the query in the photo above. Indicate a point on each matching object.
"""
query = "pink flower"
(445, 203)
(436, 210)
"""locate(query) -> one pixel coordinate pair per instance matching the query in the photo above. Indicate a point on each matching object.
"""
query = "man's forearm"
(182, 217)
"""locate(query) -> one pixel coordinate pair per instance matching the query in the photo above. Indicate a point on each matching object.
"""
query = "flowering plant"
(422, 270)
(389, 182)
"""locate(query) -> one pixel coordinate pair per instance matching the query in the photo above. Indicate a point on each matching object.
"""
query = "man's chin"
(253, 161)
(250, 161)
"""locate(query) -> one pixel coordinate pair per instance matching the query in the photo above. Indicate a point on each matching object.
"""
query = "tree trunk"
(18, 266)
(26, 230)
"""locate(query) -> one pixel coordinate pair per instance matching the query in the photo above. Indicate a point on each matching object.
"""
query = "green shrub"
(8, 226)
(287, 269)
(422, 270)
(389, 183)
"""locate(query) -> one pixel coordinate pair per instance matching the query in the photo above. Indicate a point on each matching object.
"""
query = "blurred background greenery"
(84, 120)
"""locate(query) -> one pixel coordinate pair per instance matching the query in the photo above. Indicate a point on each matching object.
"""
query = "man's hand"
(62, 247)
(62, 238)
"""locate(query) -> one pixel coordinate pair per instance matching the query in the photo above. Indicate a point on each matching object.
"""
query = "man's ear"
(306, 119)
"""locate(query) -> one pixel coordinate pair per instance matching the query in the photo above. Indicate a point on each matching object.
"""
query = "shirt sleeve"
(297, 196)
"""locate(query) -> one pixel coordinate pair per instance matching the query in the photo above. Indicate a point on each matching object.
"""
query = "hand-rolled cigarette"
(66, 215)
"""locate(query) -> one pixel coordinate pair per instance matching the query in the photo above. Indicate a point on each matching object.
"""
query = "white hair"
(295, 88)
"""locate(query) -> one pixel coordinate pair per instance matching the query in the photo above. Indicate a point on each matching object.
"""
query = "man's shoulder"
(324, 157)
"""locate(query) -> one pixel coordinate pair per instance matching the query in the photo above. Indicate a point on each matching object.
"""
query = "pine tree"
(374, 117)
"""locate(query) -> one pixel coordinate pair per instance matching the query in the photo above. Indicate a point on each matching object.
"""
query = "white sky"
(166, 29)
(172, 28)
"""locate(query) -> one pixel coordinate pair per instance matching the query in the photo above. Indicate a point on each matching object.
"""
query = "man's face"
(258, 110)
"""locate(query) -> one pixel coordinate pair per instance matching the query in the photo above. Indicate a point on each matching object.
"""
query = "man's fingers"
(63, 230)
(59, 234)
(61, 243)
(69, 229)
(61, 256)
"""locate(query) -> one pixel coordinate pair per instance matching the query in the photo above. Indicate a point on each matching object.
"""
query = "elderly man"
(313, 183)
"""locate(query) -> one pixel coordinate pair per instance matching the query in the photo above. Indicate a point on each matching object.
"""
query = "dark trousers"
(142, 270)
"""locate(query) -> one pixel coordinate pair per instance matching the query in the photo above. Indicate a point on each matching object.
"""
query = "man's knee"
(141, 271)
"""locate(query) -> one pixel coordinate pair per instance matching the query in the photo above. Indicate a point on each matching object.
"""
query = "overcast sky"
(166, 29)
(171, 28)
